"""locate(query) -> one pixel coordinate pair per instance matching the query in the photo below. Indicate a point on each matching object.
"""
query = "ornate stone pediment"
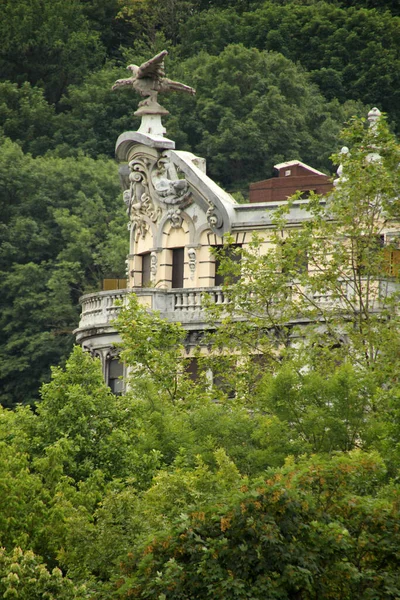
(154, 189)
(164, 183)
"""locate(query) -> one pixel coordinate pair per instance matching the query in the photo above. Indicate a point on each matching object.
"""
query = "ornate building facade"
(176, 215)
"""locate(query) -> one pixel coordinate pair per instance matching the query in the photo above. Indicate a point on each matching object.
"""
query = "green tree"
(345, 286)
(252, 110)
(26, 117)
(379, 4)
(146, 19)
(327, 413)
(317, 307)
(79, 411)
(48, 43)
(153, 348)
(62, 228)
(181, 497)
(351, 52)
(93, 116)
(25, 504)
(24, 576)
(313, 530)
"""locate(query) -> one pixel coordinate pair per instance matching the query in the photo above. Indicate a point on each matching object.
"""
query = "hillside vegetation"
(280, 482)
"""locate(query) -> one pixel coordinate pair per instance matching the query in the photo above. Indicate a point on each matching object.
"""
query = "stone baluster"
(191, 300)
(219, 297)
(184, 301)
(105, 301)
(178, 301)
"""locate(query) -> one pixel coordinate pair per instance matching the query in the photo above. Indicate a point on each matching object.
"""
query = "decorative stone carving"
(192, 262)
(153, 266)
(214, 219)
(148, 80)
(103, 354)
(172, 192)
(127, 200)
(169, 189)
(155, 188)
(141, 203)
(175, 216)
(193, 338)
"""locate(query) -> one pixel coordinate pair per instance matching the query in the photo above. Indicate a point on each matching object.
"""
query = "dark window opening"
(225, 385)
(366, 249)
(305, 194)
(146, 273)
(115, 373)
(301, 262)
(230, 252)
(178, 255)
(192, 369)
(294, 260)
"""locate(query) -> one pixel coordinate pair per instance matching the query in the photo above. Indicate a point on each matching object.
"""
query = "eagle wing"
(153, 68)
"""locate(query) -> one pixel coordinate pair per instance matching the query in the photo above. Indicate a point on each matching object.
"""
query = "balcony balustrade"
(187, 305)
(184, 305)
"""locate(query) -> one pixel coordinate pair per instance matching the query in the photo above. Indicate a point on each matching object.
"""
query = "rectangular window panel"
(192, 369)
(229, 253)
(392, 262)
(115, 373)
(178, 255)
(114, 284)
(146, 274)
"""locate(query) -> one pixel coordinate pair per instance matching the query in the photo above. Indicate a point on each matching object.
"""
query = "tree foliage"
(48, 43)
(252, 110)
(350, 51)
(310, 531)
(141, 495)
(335, 273)
(59, 222)
(23, 576)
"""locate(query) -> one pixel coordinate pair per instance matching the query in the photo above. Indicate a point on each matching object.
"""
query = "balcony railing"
(101, 308)
(187, 305)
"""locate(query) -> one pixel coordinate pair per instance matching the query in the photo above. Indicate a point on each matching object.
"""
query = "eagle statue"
(149, 80)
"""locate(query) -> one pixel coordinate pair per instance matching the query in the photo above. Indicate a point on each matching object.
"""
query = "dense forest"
(283, 482)
(275, 81)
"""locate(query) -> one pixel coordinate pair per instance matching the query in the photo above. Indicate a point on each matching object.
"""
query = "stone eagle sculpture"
(149, 80)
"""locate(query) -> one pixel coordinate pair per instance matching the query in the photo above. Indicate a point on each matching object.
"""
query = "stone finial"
(373, 117)
(344, 151)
